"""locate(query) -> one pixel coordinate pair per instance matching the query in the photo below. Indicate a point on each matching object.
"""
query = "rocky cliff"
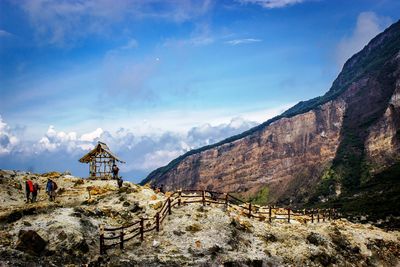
(321, 147)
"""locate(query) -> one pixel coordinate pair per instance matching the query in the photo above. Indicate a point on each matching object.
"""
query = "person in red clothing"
(28, 190)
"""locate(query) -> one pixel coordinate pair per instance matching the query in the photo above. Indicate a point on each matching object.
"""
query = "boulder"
(30, 242)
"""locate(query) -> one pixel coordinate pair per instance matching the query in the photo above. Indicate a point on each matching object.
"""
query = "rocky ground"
(65, 232)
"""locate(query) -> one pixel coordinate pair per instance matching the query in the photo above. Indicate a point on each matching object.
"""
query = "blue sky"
(156, 78)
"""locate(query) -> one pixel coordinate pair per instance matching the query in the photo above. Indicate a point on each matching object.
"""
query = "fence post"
(226, 199)
(158, 222)
(179, 196)
(169, 205)
(288, 215)
(121, 238)
(203, 195)
(249, 215)
(312, 215)
(101, 231)
(317, 215)
(323, 215)
(270, 214)
(141, 229)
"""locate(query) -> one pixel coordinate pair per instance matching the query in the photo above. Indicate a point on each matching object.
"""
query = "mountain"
(327, 148)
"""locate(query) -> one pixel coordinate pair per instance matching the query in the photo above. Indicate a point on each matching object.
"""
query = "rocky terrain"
(65, 232)
(322, 149)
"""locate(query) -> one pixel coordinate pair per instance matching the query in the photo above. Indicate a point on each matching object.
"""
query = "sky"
(156, 78)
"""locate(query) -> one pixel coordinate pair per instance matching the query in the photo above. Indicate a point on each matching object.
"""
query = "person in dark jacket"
(115, 171)
(36, 189)
(51, 187)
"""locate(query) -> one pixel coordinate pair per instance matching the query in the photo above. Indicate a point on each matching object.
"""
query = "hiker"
(120, 182)
(28, 190)
(51, 189)
(161, 188)
(36, 189)
(115, 170)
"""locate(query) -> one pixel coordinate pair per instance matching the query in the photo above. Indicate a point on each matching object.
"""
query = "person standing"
(28, 190)
(115, 171)
(51, 187)
(36, 189)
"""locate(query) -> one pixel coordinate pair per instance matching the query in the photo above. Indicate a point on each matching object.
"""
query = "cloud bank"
(59, 150)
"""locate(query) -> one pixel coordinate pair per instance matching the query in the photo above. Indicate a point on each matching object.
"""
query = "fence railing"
(118, 236)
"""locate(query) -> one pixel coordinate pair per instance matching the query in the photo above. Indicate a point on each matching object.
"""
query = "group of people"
(32, 189)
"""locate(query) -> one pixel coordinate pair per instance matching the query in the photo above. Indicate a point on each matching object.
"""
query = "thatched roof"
(101, 147)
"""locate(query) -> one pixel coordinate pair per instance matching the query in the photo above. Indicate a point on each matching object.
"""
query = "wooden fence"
(120, 235)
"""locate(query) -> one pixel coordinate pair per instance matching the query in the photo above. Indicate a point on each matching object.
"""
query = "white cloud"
(368, 26)
(8, 140)
(62, 22)
(4, 33)
(132, 43)
(243, 41)
(90, 137)
(201, 36)
(271, 3)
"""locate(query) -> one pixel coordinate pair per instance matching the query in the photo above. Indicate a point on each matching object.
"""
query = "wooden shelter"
(100, 160)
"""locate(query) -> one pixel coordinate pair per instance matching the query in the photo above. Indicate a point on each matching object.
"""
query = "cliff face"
(340, 139)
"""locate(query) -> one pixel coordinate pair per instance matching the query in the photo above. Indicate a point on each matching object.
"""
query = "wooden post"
(317, 215)
(226, 199)
(312, 215)
(179, 196)
(101, 231)
(141, 229)
(169, 205)
(121, 239)
(203, 195)
(288, 215)
(158, 222)
(249, 215)
(270, 214)
(323, 215)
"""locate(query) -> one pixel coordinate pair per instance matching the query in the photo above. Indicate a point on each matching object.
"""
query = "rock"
(270, 238)
(5, 239)
(155, 244)
(14, 216)
(214, 250)
(79, 182)
(323, 258)
(30, 242)
(26, 223)
(62, 236)
(157, 205)
(315, 239)
(193, 228)
(178, 232)
(242, 225)
(135, 207)
(82, 246)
